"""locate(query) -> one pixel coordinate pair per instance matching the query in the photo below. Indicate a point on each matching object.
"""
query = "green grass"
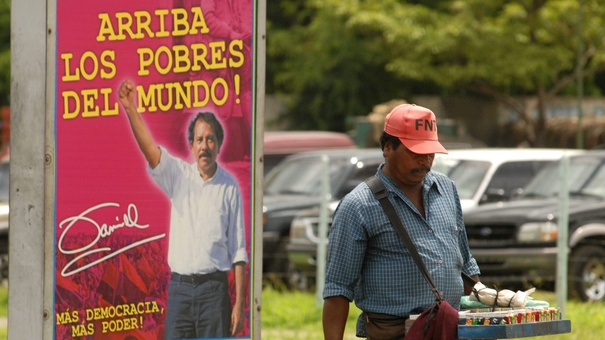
(3, 309)
(289, 315)
(3, 300)
(296, 315)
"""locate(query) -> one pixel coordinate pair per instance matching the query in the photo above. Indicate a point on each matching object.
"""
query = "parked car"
(295, 184)
(494, 174)
(481, 175)
(280, 144)
(516, 241)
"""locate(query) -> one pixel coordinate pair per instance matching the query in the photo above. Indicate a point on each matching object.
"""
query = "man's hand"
(126, 95)
(151, 151)
(237, 314)
(237, 319)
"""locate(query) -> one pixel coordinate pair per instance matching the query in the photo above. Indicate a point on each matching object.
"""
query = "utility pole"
(579, 76)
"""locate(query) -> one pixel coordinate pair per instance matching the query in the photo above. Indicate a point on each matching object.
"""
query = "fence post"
(322, 245)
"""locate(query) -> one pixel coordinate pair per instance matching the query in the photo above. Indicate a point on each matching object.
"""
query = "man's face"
(205, 148)
(407, 167)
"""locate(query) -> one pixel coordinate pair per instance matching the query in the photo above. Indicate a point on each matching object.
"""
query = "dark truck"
(516, 241)
(295, 185)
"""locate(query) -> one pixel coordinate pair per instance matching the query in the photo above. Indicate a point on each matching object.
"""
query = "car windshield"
(467, 175)
(4, 180)
(302, 176)
(586, 178)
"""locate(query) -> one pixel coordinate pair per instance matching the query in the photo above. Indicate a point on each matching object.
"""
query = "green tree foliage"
(503, 49)
(326, 70)
(5, 64)
(349, 53)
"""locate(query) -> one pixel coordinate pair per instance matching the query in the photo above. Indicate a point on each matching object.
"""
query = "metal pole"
(562, 235)
(579, 76)
(258, 128)
(29, 313)
(322, 245)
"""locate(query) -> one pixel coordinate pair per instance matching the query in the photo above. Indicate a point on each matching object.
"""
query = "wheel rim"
(593, 279)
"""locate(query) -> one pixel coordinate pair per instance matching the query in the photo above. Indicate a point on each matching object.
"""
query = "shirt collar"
(216, 173)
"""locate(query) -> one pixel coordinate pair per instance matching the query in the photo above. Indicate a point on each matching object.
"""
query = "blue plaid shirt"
(369, 264)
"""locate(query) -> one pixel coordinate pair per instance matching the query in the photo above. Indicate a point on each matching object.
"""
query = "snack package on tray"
(466, 303)
(502, 298)
(486, 306)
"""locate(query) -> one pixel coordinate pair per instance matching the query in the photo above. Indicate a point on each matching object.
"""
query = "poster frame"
(33, 174)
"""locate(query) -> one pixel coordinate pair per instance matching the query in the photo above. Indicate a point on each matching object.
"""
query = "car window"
(302, 176)
(511, 177)
(277, 145)
(595, 186)
(271, 161)
(467, 175)
(360, 173)
(585, 175)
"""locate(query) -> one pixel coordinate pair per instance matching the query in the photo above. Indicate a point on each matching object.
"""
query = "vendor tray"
(514, 331)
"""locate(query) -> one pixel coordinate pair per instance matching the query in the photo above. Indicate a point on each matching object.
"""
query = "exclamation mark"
(141, 318)
(236, 82)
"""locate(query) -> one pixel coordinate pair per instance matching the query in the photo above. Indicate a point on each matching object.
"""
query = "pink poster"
(153, 201)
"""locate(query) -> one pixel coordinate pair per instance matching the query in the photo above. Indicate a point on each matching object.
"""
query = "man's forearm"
(240, 283)
(237, 314)
(335, 313)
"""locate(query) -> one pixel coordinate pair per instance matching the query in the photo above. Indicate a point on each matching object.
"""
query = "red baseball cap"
(416, 128)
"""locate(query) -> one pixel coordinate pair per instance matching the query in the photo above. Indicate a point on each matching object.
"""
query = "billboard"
(154, 130)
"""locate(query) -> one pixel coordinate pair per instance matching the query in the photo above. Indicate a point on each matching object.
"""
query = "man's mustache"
(421, 168)
(204, 154)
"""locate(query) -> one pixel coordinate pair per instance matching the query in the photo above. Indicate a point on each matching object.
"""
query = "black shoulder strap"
(382, 195)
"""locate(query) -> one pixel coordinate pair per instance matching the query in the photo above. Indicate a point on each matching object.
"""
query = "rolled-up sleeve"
(346, 249)
(237, 237)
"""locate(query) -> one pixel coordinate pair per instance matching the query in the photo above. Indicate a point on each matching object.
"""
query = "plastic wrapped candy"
(502, 298)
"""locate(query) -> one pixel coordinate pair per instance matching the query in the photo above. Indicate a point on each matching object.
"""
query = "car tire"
(587, 273)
